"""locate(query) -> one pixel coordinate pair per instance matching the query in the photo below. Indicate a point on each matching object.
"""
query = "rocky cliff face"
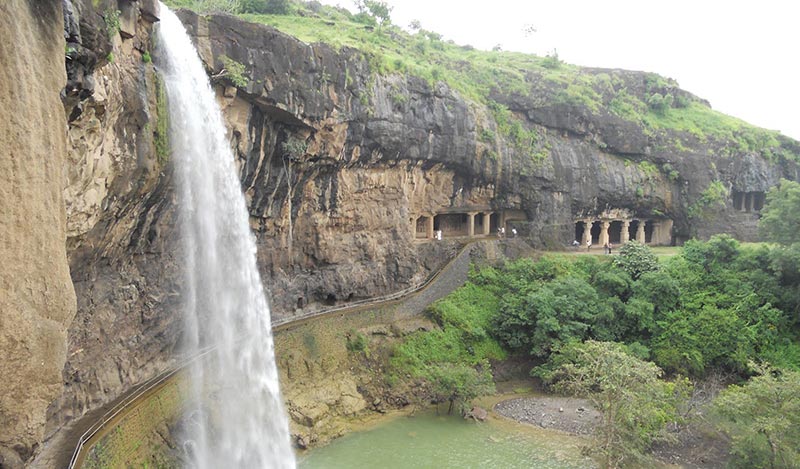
(37, 301)
(119, 205)
(337, 162)
(584, 161)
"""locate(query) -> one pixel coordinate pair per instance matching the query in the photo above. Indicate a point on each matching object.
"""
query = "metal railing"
(156, 381)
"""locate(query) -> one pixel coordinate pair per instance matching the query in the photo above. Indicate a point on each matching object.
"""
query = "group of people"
(501, 232)
(606, 247)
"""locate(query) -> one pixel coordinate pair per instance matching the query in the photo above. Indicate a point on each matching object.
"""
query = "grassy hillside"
(652, 102)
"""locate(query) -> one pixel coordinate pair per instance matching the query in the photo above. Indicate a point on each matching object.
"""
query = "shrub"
(762, 417)
(780, 218)
(357, 342)
(713, 197)
(551, 61)
(235, 71)
(636, 259)
(660, 104)
(111, 18)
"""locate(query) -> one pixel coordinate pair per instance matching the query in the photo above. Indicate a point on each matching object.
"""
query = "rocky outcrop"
(36, 296)
(122, 240)
(585, 160)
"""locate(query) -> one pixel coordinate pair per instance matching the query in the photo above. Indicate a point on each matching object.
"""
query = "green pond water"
(430, 441)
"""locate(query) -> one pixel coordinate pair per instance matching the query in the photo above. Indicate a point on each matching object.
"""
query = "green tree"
(659, 289)
(762, 418)
(377, 9)
(691, 341)
(458, 384)
(635, 403)
(780, 218)
(560, 311)
(636, 258)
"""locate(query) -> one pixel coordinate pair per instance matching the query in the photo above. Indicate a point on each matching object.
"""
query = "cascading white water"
(239, 421)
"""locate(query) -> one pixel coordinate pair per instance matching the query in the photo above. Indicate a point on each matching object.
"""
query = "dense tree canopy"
(780, 218)
(605, 327)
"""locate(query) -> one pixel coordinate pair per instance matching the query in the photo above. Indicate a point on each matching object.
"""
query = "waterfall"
(237, 418)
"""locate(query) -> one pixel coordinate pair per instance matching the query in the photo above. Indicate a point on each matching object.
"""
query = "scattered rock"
(477, 413)
(551, 412)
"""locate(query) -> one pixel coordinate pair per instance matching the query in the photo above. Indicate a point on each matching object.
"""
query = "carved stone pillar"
(471, 224)
(604, 232)
(640, 231)
(429, 227)
(487, 218)
(625, 236)
(587, 232)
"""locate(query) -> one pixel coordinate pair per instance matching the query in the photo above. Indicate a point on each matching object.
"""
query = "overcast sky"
(742, 56)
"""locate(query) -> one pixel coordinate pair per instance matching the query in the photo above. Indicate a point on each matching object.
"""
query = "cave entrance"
(615, 232)
(452, 224)
(632, 229)
(738, 200)
(758, 201)
(329, 300)
(494, 222)
(421, 228)
(649, 227)
(595, 232)
(580, 227)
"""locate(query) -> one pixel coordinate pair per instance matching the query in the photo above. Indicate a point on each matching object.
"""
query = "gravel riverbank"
(570, 415)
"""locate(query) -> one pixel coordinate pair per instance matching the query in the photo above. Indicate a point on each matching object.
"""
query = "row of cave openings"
(601, 232)
(749, 201)
(469, 224)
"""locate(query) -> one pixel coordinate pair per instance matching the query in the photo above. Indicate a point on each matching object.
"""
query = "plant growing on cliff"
(659, 103)
(357, 342)
(377, 9)
(111, 18)
(551, 60)
(713, 197)
(270, 7)
(233, 71)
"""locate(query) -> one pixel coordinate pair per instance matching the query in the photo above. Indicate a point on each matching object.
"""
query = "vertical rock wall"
(37, 300)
